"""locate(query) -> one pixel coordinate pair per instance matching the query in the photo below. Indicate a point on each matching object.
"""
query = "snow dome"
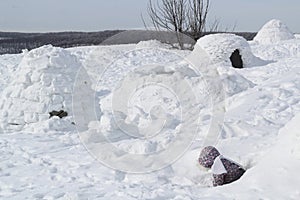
(273, 31)
(42, 83)
(228, 49)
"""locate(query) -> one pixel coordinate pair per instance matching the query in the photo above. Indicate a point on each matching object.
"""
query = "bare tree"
(197, 17)
(170, 15)
(180, 16)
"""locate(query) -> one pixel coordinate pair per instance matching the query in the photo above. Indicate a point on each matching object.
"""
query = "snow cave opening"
(236, 59)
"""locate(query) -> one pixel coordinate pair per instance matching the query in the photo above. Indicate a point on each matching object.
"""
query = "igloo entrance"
(236, 59)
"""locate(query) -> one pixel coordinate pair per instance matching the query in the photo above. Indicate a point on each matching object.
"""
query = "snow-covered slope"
(149, 108)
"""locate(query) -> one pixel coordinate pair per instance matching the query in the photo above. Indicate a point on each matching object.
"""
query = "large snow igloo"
(272, 32)
(42, 83)
(225, 49)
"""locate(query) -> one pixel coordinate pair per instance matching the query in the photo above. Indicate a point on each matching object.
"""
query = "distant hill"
(14, 42)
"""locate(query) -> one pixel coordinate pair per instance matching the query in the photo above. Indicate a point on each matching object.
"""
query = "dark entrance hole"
(60, 113)
(236, 59)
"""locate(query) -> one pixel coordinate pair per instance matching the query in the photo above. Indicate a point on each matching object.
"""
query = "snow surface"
(183, 92)
(272, 32)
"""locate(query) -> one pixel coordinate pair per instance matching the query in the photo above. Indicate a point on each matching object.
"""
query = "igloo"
(43, 82)
(272, 32)
(225, 49)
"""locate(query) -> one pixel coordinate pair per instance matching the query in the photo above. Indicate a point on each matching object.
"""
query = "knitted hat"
(208, 156)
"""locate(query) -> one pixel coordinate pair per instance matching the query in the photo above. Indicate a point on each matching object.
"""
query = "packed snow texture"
(272, 32)
(44, 158)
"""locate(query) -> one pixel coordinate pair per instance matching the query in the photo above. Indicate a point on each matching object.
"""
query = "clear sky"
(94, 15)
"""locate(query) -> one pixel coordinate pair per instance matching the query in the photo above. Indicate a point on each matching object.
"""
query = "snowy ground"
(56, 159)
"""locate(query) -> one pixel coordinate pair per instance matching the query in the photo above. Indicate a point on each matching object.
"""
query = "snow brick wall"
(43, 83)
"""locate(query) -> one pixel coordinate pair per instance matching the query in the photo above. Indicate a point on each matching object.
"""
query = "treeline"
(12, 42)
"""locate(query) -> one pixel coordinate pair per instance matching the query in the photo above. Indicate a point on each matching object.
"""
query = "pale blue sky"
(94, 15)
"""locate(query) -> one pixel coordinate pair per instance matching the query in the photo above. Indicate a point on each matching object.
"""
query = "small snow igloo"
(272, 32)
(226, 49)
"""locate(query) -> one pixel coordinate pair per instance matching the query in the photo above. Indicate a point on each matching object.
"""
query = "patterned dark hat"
(207, 156)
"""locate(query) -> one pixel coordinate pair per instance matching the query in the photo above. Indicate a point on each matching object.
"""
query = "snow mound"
(219, 48)
(43, 83)
(272, 32)
(152, 44)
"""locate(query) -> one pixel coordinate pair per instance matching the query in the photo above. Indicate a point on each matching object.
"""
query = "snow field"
(44, 158)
